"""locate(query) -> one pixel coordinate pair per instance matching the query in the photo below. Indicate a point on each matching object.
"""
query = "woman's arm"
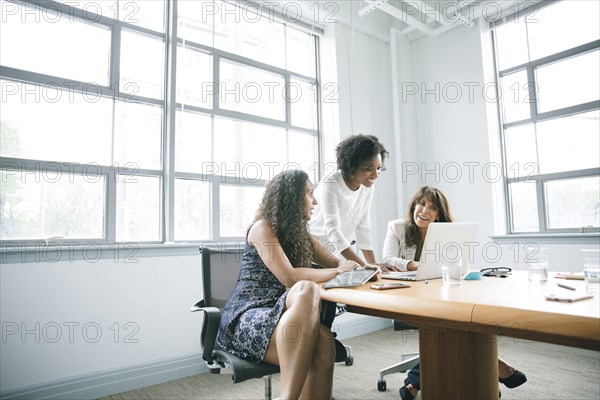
(412, 265)
(369, 256)
(262, 237)
(350, 254)
(391, 246)
(333, 261)
(323, 257)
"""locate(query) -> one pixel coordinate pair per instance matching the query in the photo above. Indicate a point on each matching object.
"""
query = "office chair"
(407, 361)
(220, 269)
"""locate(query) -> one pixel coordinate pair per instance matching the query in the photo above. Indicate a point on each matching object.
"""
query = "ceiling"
(433, 17)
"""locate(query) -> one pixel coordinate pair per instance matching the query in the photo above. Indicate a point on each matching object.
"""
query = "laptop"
(443, 240)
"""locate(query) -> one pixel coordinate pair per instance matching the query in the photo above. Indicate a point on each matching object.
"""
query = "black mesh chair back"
(220, 270)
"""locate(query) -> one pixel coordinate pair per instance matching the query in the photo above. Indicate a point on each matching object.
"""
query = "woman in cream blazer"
(402, 248)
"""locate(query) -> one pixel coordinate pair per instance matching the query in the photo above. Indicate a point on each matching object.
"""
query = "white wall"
(366, 106)
(65, 319)
(451, 127)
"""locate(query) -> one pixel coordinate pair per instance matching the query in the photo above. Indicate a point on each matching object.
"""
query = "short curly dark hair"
(356, 150)
(282, 206)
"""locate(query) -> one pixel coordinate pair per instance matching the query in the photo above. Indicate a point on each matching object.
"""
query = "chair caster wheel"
(381, 385)
(349, 360)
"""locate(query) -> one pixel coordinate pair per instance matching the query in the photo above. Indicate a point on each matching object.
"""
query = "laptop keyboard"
(403, 276)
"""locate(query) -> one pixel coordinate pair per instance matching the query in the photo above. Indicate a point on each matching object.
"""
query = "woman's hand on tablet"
(347, 266)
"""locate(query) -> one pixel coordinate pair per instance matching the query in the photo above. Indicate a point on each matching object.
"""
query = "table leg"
(457, 363)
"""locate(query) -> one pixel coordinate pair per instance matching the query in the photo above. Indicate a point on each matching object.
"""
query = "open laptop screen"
(444, 241)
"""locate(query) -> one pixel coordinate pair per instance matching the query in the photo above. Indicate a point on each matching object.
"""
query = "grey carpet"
(553, 372)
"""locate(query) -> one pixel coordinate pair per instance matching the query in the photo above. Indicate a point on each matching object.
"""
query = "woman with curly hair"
(402, 248)
(345, 198)
(273, 313)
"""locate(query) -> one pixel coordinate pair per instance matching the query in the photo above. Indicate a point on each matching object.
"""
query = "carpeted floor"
(553, 372)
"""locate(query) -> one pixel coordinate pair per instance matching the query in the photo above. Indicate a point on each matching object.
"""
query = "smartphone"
(568, 298)
(386, 286)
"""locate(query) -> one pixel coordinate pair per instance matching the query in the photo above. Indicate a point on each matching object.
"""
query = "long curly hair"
(356, 150)
(411, 230)
(282, 206)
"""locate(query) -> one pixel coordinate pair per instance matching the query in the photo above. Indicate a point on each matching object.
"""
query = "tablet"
(356, 277)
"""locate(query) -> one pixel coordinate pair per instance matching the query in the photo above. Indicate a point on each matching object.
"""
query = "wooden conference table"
(459, 325)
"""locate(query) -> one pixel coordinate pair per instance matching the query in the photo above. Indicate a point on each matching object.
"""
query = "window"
(149, 121)
(547, 61)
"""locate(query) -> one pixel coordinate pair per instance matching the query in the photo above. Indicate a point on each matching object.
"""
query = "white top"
(341, 215)
(394, 246)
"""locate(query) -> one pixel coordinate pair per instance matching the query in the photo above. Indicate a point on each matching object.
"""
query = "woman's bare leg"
(504, 370)
(294, 340)
(319, 382)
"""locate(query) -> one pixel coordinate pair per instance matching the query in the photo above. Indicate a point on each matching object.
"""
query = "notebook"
(441, 238)
(356, 277)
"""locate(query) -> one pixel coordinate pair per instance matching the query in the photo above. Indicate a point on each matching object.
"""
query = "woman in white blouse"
(402, 249)
(342, 216)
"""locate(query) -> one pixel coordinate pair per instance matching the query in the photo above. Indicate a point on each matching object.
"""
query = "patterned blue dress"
(252, 310)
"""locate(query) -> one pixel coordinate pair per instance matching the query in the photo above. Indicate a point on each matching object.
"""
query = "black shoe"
(405, 394)
(517, 378)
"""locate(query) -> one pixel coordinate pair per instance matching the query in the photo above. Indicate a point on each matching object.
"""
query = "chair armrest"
(198, 306)
(243, 369)
(210, 327)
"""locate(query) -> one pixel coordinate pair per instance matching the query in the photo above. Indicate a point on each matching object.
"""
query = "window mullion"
(115, 60)
(532, 89)
(169, 126)
(541, 200)
(214, 207)
(319, 151)
(113, 176)
(288, 104)
(110, 217)
(216, 78)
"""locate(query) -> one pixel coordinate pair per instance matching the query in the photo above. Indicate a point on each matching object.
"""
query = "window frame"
(166, 172)
(540, 179)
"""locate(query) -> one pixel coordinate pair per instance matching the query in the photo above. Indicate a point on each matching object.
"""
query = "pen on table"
(565, 286)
